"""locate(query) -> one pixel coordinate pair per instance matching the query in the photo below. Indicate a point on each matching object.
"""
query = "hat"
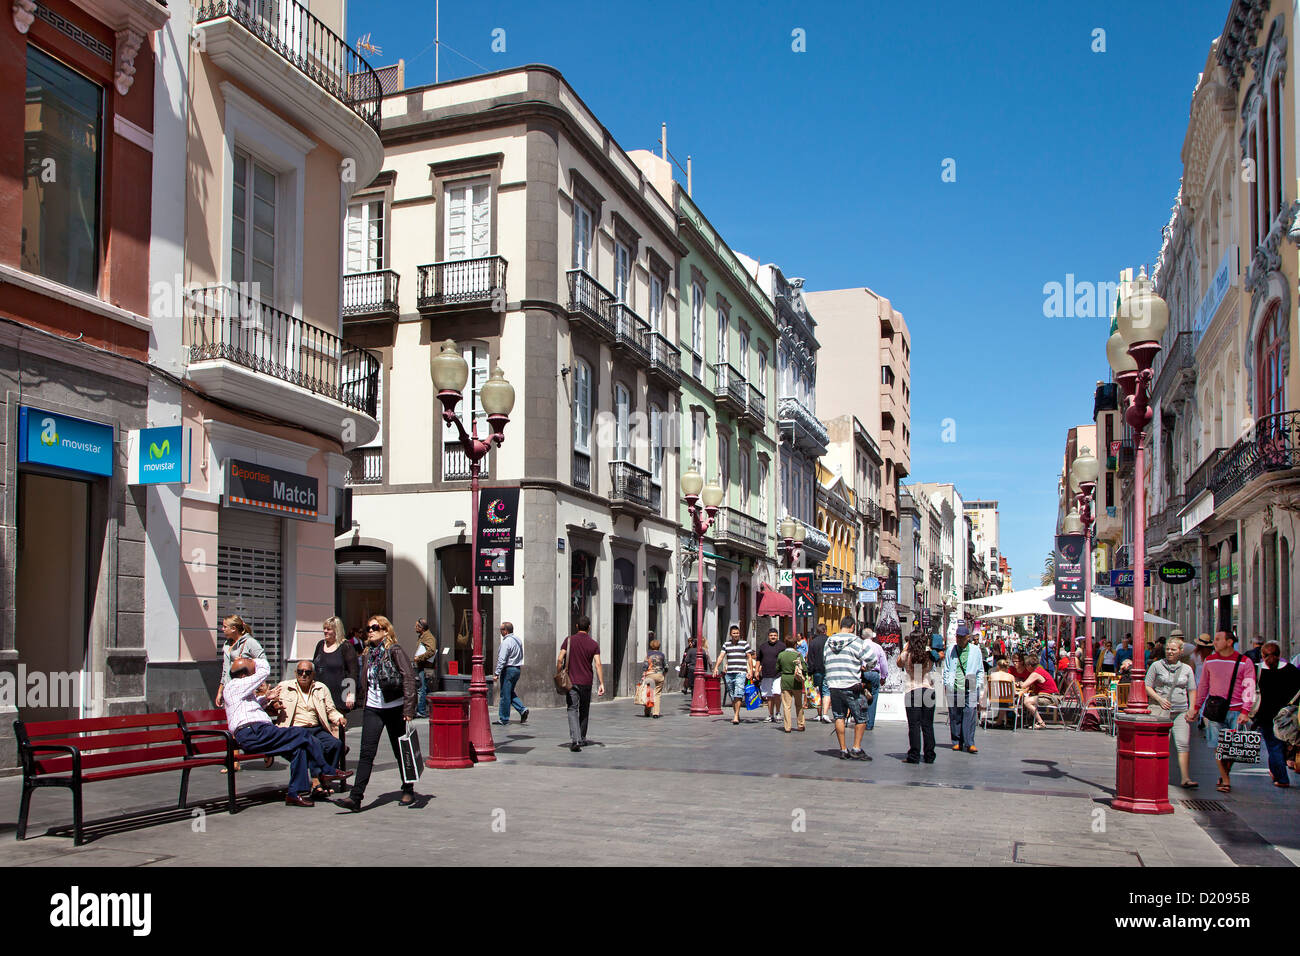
(1204, 640)
(962, 631)
(1176, 632)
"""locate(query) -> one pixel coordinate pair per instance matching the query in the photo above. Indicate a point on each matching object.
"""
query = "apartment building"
(853, 453)
(837, 517)
(508, 220)
(984, 525)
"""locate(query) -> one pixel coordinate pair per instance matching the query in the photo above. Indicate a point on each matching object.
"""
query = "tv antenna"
(364, 44)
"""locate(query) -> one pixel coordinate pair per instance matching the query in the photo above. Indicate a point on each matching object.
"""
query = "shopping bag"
(753, 699)
(1241, 746)
(641, 691)
(408, 745)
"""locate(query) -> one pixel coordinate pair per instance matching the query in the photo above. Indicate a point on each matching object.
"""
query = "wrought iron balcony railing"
(1180, 357)
(1274, 446)
(665, 359)
(807, 428)
(582, 470)
(224, 322)
(729, 387)
(756, 408)
(630, 485)
(630, 333)
(815, 540)
(736, 527)
(460, 281)
(590, 302)
(370, 293)
(1200, 478)
(310, 46)
(366, 466)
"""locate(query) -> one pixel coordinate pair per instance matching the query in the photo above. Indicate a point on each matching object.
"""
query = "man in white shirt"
(874, 676)
(254, 732)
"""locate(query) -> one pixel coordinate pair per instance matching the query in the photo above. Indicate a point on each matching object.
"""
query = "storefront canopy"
(1042, 600)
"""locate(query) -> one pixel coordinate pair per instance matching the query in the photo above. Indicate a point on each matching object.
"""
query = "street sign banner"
(805, 601)
(1123, 578)
(829, 586)
(871, 584)
(1177, 572)
(1069, 567)
(784, 578)
(494, 553)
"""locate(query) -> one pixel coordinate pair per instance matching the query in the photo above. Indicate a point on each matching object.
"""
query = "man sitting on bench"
(255, 734)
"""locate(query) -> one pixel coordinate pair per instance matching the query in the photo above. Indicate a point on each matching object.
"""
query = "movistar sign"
(157, 456)
(61, 441)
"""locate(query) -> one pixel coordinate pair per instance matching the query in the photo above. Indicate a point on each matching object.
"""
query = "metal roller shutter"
(249, 576)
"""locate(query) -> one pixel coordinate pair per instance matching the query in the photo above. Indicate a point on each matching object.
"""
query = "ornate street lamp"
(792, 536)
(702, 501)
(1142, 752)
(1083, 479)
(450, 372)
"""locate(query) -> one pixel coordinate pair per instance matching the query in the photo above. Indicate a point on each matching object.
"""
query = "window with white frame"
(742, 463)
(364, 248)
(743, 365)
(252, 227)
(468, 221)
(697, 318)
(622, 420)
(656, 302)
(724, 336)
(582, 407)
(699, 426)
(762, 375)
(656, 444)
(583, 230)
(762, 487)
(724, 465)
(623, 274)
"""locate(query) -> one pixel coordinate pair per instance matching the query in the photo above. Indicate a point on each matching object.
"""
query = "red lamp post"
(1083, 472)
(450, 372)
(702, 501)
(1142, 746)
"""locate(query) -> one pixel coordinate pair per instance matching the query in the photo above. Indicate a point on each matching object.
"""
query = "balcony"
(1272, 451)
(288, 57)
(1123, 558)
(455, 463)
(366, 467)
(581, 470)
(631, 334)
(665, 361)
(460, 282)
(869, 510)
(802, 427)
(738, 530)
(1105, 399)
(755, 412)
(1177, 378)
(368, 295)
(816, 544)
(630, 488)
(1127, 457)
(248, 354)
(1200, 478)
(730, 391)
(589, 304)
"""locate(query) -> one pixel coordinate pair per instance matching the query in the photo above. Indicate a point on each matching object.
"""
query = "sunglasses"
(304, 673)
(375, 627)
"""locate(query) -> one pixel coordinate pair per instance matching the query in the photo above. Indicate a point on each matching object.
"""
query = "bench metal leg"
(230, 787)
(24, 805)
(77, 836)
(185, 788)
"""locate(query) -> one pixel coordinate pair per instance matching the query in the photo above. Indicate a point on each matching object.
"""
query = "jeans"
(963, 713)
(920, 728)
(1276, 754)
(509, 678)
(422, 692)
(871, 680)
(299, 744)
(375, 721)
(330, 746)
(579, 697)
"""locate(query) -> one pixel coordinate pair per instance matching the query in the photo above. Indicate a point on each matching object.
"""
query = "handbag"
(462, 632)
(563, 684)
(641, 695)
(1216, 707)
(389, 677)
(1286, 725)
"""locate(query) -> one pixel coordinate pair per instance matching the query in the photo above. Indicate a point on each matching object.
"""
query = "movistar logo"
(164, 451)
(49, 434)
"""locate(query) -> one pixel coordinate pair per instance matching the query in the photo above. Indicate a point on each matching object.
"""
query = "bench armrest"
(30, 749)
(189, 734)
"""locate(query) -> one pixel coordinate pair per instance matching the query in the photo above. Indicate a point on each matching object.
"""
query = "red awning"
(774, 603)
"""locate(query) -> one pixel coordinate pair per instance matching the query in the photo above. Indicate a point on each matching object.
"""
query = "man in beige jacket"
(305, 702)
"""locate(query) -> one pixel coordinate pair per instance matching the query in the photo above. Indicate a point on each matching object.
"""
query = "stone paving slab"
(660, 792)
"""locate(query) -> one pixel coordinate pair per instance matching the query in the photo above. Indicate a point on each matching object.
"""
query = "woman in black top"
(1279, 682)
(335, 662)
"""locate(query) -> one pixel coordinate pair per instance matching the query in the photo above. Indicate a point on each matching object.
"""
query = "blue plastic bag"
(753, 699)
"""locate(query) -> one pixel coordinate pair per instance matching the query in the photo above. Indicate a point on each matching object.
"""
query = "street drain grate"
(1209, 806)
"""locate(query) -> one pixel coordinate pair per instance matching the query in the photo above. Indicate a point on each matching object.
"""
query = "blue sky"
(829, 163)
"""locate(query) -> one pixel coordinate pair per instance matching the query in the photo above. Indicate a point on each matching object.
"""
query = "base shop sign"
(1240, 745)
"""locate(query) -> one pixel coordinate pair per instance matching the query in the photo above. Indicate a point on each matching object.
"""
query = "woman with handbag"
(335, 663)
(917, 664)
(388, 690)
(652, 679)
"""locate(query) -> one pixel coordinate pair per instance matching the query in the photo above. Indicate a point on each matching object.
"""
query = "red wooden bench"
(72, 753)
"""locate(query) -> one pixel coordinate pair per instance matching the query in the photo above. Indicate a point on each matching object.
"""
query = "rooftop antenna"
(663, 143)
(437, 46)
(364, 44)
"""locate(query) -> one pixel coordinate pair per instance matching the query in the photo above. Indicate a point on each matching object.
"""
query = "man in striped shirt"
(739, 661)
(845, 658)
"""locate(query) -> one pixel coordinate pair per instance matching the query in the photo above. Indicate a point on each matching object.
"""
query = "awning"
(774, 603)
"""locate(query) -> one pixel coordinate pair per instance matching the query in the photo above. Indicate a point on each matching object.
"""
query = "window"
(762, 488)
(656, 303)
(724, 465)
(622, 419)
(364, 242)
(656, 444)
(252, 222)
(724, 335)
(582, 407)
(582, 233)
(762, 376)
(468, 221)
(60, 231)
(699, 426)
(697, 318)
(623, 274)
(744, 354)
(1269, 371)
(743, 463)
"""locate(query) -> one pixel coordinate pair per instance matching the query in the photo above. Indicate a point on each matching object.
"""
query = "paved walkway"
(687, 790)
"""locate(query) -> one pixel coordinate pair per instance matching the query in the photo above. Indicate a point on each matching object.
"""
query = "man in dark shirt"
(583, 655)
(817, 668)
(769, 672)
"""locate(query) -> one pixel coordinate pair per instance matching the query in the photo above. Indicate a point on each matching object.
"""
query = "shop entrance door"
(51, 636)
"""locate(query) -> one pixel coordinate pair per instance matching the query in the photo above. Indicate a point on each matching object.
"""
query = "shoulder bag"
(389, 677)
(1216, 707)
(1286, 725)
(562, 682)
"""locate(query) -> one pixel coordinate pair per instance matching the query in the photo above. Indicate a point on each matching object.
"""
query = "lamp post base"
(480, 727)
(1142, 764)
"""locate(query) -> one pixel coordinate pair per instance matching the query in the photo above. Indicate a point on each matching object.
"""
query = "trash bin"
(713, 693)
(448, 731)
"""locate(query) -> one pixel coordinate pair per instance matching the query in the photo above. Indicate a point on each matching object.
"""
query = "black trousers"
(920, 727)
(375, 721)
(579, 700)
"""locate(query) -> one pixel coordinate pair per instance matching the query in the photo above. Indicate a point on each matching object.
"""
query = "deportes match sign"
(494, 549)
(259, 488)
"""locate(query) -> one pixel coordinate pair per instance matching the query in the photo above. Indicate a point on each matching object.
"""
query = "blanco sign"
(1219, 286)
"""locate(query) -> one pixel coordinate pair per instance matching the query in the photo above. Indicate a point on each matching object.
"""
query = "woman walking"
(335, 663)
(917, 664)
(1171, 684)
(652, 675)
(388, 689)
